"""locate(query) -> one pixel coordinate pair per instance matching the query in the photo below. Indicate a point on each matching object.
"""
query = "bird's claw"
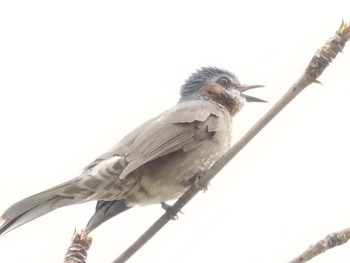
(202, 187)
(169, 212)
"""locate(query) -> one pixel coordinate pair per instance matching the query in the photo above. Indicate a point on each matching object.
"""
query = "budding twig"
(77, 251)
(330, 241)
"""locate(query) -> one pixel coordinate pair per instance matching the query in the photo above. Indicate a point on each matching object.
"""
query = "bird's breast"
(169, 176)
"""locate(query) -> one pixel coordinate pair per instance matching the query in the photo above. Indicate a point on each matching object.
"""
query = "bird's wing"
(183, 127)
(121, 148)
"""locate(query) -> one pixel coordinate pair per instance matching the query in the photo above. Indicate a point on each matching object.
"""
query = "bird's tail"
(42, 203)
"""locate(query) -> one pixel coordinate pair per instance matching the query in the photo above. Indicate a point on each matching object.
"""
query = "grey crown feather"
(201, 77)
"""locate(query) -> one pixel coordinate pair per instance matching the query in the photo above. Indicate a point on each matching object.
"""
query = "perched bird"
(156, 162)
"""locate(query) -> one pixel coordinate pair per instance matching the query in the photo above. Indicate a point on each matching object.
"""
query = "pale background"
(75, 76)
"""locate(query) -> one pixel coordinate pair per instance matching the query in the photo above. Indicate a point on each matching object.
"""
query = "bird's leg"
(169, 212)
(192, 181)
(195, 181)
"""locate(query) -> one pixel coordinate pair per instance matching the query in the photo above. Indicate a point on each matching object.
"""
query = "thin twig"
(77, 251)
(330, 241)
(318, 64)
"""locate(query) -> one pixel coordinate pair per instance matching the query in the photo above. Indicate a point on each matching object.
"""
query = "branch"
(77, 251)
(330, 241)
(319, 62)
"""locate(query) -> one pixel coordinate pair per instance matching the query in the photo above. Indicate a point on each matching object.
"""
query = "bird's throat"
(221, 96)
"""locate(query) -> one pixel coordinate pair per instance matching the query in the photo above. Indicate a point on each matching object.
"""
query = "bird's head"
(218, 85)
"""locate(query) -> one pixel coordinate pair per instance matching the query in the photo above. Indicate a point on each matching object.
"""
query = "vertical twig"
(77, 251)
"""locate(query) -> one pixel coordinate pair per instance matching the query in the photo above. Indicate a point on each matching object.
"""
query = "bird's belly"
(168, 177)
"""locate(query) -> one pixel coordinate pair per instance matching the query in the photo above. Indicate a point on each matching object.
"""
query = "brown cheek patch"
(211, 90)
(219, 95)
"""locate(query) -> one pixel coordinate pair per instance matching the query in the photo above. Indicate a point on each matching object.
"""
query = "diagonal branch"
(77, 252)
(317, 65)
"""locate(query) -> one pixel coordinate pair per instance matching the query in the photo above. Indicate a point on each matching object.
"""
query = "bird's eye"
(224, 82)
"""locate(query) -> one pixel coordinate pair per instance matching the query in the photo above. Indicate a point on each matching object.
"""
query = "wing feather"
(183, 127)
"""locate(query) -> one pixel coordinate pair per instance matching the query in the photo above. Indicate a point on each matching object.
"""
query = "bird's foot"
(202, 187)
(169, 211)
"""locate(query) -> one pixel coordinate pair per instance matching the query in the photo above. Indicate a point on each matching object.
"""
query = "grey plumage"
(156, 162)
(201, 77)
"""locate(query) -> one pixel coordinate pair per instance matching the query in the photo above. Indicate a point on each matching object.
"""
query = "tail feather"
(35, 206)
(10, 223)
(105, 210)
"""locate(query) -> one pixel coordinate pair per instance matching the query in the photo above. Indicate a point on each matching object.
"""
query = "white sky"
(76, 76)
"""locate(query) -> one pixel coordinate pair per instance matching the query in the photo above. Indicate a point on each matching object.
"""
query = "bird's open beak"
(243, 88)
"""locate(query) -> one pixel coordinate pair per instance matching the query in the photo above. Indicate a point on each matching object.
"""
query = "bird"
(156, 162)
